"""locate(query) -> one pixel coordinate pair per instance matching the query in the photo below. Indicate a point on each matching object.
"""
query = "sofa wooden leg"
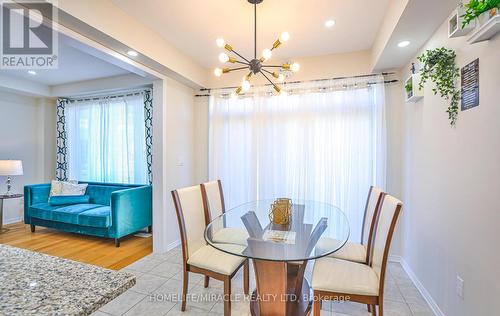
(32, 227)
(150, 229)
(117, 242)
(207, 281)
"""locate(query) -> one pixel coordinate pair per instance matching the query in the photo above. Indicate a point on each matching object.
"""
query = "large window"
(106, 139)
(323, 141)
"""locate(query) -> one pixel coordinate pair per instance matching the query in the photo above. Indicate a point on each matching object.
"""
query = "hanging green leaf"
(439, 66)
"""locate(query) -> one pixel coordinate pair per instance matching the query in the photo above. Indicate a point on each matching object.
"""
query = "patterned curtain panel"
(148, 120)
(61, 142)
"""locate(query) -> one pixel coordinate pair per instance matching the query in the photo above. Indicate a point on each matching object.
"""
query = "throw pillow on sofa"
(57, 200)
(58, 188)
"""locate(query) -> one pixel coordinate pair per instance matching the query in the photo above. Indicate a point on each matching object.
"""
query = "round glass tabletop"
(315, 229)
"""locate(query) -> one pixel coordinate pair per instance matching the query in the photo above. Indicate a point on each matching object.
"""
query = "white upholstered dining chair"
(354, 251)
(198, 257)
(336, 279)
(213, 197)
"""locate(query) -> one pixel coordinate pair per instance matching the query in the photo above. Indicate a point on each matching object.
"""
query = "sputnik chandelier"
(255, 65)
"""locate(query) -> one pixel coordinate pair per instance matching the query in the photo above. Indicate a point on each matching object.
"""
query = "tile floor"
(159, 284)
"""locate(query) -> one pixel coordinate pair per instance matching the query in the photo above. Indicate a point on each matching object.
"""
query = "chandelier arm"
(275, 86)
(248, 61)
(267, 71)
(273, 66)
(242, 62)
(237, 68)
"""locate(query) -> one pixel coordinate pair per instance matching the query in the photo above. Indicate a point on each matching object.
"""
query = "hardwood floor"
(87, 249)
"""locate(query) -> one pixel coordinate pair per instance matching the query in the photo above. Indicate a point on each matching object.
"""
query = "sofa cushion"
(96, 217)
(42, 210)
(68, 199)
(93, 215)
(69, 214)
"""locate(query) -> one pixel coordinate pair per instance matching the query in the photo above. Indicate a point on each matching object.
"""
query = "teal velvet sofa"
(113, 210)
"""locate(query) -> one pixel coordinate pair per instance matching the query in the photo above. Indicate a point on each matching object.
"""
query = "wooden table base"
(281, 289)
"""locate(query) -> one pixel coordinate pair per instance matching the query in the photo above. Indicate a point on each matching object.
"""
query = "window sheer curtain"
(106, 139)
(321, 141)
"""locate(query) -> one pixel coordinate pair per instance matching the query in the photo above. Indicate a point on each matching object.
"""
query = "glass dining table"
(280, 252)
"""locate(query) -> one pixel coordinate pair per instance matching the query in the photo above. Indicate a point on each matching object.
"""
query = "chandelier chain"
(255, 30)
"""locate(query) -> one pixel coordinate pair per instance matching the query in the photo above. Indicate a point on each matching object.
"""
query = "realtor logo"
(27, 36)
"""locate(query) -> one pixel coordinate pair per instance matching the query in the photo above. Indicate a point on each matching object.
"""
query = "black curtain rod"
(368, 83)
(107, 96)
(315, 80)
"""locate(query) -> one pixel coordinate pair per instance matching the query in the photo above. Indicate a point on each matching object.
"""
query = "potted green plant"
(439, 66)
(409, 89)
(483, 10)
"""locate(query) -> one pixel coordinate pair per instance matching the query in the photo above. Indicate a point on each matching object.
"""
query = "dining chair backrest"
(191, 217)
(388, 214)
(372, 203)
(214, 198)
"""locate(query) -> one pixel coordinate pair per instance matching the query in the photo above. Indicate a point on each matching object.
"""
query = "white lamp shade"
(11, 168)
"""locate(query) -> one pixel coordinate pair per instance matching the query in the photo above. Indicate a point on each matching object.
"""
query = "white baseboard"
(172, 245)
(13, 220)
(426, 295)
(395, 258)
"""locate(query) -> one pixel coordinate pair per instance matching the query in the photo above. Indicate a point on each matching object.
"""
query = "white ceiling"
(410, 27)
(74, 66)
(193, 25)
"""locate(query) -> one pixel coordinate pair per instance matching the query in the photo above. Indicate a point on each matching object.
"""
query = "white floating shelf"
(455, 24)
(486, 31)
(415, 94)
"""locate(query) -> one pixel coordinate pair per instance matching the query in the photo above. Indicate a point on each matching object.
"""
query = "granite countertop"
(32, 283)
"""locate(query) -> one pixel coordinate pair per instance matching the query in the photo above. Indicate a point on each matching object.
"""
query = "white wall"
(451, 178)
(173, 156)
(200, 134)
(393, 114)
(27, 129)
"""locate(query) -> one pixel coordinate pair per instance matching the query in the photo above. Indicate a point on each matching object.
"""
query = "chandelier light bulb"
(223, 58)
(284, 37)
(220, 42)
(234, 95)
(267, 53)
(295, 67)
(218, 72)
(245, 85)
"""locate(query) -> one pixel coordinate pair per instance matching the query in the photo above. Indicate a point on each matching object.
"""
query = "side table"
(5, 197)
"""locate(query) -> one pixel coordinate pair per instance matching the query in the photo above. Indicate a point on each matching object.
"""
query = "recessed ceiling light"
(132, 53)
(329, 23)
(32, 72)
(403, 43)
